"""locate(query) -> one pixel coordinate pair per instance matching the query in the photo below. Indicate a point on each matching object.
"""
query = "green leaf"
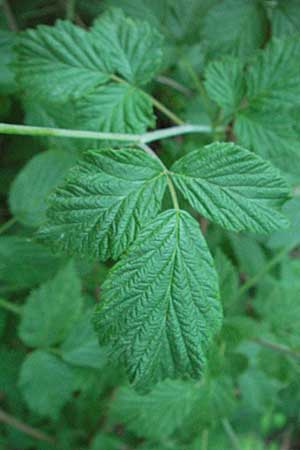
(291, 236)
(273, 78)
(159, 309)
(35, 182)
(232, 187)
(157, 415)
(236, 27)
(103, 203)
(225, 83)
(116, 107)
(17, 252)
(285, 18)
(7, 77)
(81, 346)
(271, 134)
(46, 383)
(228, 280)
(52, 309)
(249, 253)
(134, 48)
(60, 61)
(106, 441)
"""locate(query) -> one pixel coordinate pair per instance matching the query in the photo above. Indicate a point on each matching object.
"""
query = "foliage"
(149, 294)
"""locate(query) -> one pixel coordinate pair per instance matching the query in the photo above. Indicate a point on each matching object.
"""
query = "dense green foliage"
(150, 225)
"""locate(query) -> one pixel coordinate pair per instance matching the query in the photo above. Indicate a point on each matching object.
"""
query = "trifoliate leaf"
(7, 77)
(35, 182)
(60, 61)
(285, 18)
(232, 187)
(81, 346)
(46, 383)
(236, 27)
(273, 78)
(52, 309)
(271, 134)
(116, 107)
(159, 308)
(134, 48)
(106, 198)
(17, 252)
(159, 413)
(225, 83)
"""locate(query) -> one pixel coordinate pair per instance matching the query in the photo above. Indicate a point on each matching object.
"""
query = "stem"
(25, 130)
(10, 306)
(171, 187)
(275, 260)
(166, 111)
(231, 434)
(12, 23)
(33, 432)
(174, 84)
(70, 10)
(7, 225)
(277, 347)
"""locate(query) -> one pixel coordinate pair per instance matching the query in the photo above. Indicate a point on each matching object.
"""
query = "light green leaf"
(159, 309)
(285, 18)
(46, 383)
(17, 252)
(273, 78)
(116, 107)
(107, 441)
(249, 253)
(134, 48)
(225, 83)
(228, 280)
(7, 78)
(31, 187)
(236, 27)
(81, 346)
(103, 203)
(60, 61)
(273, 135)
(158, 414)
(51, 310)
(291, 236)
(232, 187)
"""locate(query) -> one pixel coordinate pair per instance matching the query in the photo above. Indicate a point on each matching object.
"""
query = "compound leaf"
(106, 198)
(46, 383)
(133, 47)
(60, 60)
(160, 308)
(116, 107)
(34, 183)
(51, 310)
(225, 83)
(232, 187)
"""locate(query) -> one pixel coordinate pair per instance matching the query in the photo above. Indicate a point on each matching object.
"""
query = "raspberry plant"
(152, 246)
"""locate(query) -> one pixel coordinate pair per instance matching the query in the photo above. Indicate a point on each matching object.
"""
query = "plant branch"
(7, 225)
(12, 23)
(277, 347)
(231, 434)
(33, 432)
(25, 130)
(255, 279)
(70, 10)
(174, 85)
(10, 306)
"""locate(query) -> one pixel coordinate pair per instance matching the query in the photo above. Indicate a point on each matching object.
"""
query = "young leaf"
(46, 383)
(116, 107)
(34, 183)
(60, 61)
(236, 27)
(134, 48)
(225, 83)
(232, 187)
(106, 198)
(51, 310)
(273, 79)
(160, 308)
